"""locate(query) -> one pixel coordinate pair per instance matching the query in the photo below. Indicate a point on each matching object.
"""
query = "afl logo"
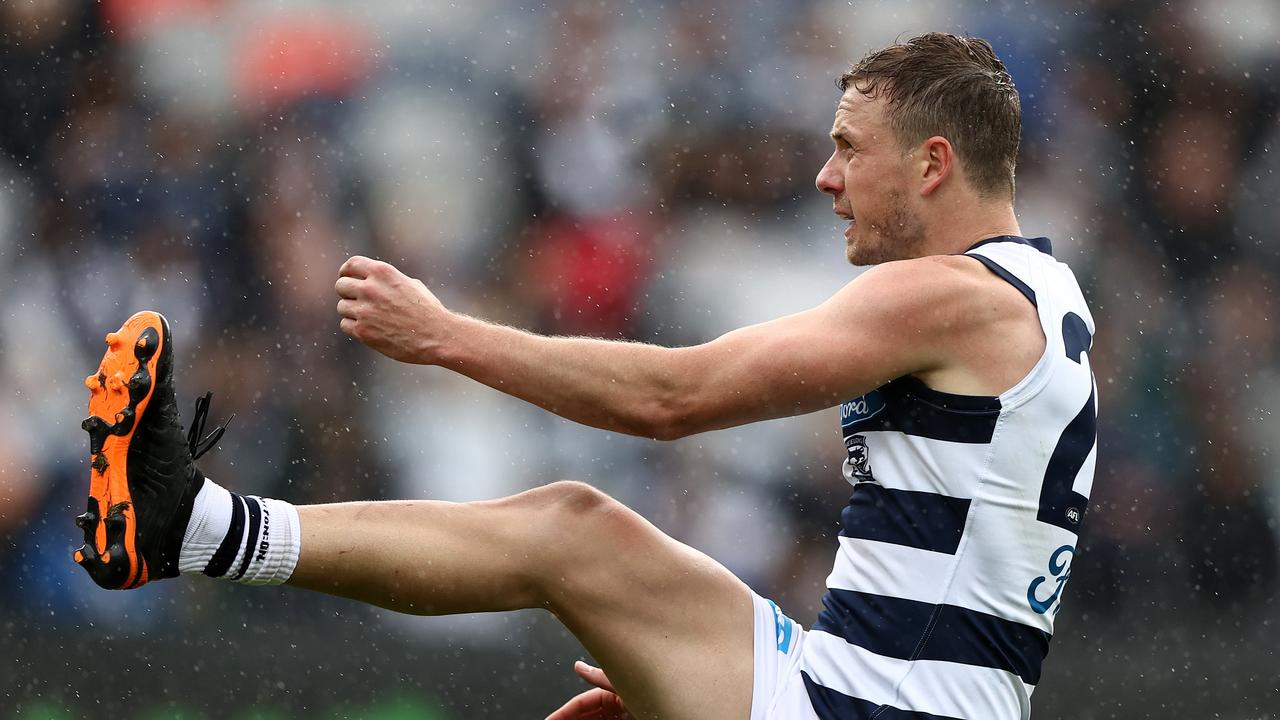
(859, 460)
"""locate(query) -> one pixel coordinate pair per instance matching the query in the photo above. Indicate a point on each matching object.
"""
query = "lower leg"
(421, 557)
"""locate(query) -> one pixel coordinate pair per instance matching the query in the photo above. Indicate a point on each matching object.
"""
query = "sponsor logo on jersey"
(861, 408)
(854, 413)
(783, 626)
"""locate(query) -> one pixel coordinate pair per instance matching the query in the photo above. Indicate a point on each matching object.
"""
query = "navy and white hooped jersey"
(959, 536)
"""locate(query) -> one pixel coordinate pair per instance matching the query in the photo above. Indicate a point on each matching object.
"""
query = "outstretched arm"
(887, 323)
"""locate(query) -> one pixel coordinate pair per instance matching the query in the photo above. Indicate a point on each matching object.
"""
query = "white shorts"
(778, 691)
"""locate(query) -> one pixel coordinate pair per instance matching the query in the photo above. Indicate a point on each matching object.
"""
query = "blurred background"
(637, 170)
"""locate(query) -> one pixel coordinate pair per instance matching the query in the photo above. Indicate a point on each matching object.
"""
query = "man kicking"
(960, 364)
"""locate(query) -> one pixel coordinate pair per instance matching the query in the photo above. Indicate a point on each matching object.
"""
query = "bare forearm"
(620, 386)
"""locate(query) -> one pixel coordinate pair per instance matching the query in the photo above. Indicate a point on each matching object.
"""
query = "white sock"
(246, 539)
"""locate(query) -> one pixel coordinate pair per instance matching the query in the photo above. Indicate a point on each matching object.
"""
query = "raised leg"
(672, 628)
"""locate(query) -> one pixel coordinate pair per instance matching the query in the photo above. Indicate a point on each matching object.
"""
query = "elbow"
(677, 406)
(672, 418)
(668, 431)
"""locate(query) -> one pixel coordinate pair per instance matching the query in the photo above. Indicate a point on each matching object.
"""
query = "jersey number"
(1059, 504)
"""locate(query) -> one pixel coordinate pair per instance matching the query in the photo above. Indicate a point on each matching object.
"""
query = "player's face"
(866, 177)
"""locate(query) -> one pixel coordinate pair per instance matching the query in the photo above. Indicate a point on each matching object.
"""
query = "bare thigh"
(673, 628)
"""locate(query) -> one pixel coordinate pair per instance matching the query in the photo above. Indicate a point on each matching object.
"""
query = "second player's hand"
(389, 311)
(598, 703)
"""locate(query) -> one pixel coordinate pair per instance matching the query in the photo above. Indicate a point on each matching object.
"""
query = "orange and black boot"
(143, 479)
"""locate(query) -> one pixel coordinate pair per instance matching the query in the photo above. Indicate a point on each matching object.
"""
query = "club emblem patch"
(858, 464)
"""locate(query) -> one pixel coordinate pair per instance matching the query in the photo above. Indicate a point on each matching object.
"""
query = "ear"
(937, 161)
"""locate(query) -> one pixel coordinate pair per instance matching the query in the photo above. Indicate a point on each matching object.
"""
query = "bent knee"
(567, 499)
(569, 511)
(580, 499)
(577, 521)
(595, 516)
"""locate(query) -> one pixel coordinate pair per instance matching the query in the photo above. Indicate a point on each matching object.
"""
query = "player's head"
(922, 126)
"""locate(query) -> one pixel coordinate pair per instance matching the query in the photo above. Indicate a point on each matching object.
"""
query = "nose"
(830, 180)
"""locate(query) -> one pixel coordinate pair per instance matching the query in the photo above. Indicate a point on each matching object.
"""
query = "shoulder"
(935, 293)
(947, 273)
(934, 316)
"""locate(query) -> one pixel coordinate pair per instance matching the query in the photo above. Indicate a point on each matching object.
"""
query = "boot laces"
(197, 446)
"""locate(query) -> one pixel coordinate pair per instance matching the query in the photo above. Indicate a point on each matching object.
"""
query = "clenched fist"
(389, 311)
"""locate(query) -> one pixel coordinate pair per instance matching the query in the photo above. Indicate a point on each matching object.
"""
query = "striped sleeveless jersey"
(959, 535)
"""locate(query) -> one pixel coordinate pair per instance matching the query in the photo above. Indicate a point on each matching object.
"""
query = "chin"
(857, 254)
(851, 254)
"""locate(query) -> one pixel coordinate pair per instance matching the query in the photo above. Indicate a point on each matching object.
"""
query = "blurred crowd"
(641, 170)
